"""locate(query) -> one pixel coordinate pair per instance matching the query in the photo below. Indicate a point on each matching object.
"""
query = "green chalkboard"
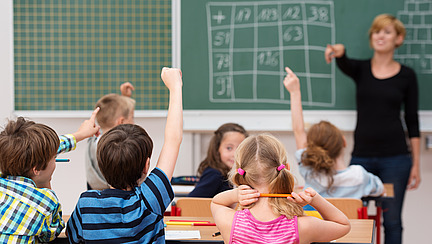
(233, 52)
(69, 53)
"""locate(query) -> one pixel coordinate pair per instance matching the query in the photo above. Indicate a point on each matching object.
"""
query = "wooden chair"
(194, 206)
(353, 208)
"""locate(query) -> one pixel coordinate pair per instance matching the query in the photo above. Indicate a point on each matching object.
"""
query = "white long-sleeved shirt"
(354, 181)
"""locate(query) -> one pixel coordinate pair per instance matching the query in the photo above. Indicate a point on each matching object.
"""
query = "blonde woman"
(383, 88)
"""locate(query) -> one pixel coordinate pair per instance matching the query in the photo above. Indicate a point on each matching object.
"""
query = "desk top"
(205, 231)
(362, 230)
(389, 190)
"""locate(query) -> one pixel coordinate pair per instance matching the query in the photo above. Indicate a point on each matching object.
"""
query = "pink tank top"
(247, 229)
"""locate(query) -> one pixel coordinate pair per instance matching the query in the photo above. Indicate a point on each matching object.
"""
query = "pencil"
(185, 223)
(203, 224)
(194, 221)
(216, 234)
(274, 195)
(62, 160)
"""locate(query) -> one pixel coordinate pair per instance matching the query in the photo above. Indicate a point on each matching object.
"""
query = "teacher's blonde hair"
(384, 20)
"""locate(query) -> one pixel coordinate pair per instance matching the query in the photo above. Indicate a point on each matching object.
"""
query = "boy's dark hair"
(25, 145)
(213, 159)
(122, 153)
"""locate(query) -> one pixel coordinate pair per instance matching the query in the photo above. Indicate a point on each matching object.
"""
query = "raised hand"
(171, 77)
(88, 128)
(291, 81)
(126, 89)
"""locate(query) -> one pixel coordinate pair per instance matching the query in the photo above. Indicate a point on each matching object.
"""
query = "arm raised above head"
(292, 84)
(172, 78)
(126, 89)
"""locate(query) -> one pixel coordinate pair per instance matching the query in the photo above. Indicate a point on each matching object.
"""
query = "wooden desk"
(362, 231)
(205, 231)
(389, 190)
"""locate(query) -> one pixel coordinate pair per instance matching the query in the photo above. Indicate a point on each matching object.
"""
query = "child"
(30, 210)
(219, 161)
(261, 167)
(321, 155)
(114, 110)
(132, 211)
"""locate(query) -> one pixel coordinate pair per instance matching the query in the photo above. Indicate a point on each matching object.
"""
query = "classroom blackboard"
(69, 53)
(233, 52)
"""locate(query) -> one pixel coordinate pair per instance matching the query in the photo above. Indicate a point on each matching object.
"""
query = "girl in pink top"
(261, 167)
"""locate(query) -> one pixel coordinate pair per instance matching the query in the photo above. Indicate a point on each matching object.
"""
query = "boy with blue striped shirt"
(29, 210)
(132, 210)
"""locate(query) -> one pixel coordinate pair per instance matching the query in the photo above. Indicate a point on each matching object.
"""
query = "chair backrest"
(194, 206)
(351, 207)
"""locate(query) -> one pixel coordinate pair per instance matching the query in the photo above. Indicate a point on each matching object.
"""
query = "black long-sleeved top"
(379, 131)
(210, 183)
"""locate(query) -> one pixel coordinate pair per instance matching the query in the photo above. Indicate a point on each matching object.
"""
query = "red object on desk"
(175, 211)
(203, 224)
(179, 220)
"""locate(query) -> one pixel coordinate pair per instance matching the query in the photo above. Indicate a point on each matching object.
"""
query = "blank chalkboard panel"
(69, 53)
(233, 52)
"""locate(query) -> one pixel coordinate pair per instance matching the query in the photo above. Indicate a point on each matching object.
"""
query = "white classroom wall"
(69, 178)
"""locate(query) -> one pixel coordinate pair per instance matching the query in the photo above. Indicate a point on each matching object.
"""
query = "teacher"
(383, 87)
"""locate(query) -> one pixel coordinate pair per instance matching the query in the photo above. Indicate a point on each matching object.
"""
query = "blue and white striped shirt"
(118, 216)
(29, 214)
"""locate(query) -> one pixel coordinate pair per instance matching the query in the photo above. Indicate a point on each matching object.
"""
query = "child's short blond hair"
(112, 106)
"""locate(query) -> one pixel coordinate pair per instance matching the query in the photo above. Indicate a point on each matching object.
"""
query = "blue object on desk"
(184, 180)
(65, 160)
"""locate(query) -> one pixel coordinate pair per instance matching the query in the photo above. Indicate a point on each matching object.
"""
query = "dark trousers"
(395, 170)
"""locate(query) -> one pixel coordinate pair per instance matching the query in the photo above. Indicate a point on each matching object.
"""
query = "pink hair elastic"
(240, 171)
(281, 167)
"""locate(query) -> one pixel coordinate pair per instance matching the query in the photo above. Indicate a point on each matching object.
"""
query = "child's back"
(30, 210)
(278, 230)
(28, 213)
(133, 211)
(261, 167)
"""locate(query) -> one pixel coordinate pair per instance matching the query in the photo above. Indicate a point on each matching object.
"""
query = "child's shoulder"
(210, 170)
(25, 190)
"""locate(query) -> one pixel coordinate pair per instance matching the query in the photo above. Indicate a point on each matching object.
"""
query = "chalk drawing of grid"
(242, 55)
(417, 48)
